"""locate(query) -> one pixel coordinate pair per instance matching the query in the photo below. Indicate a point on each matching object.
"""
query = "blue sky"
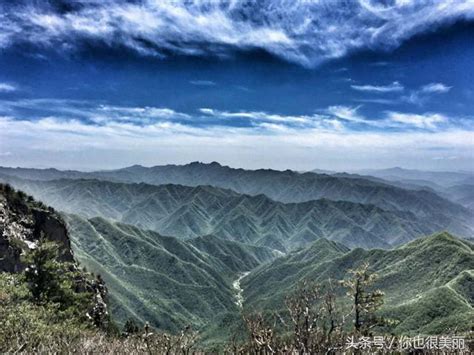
(283, 84)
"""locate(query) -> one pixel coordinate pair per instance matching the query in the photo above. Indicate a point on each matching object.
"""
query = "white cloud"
(93, 111)
(429, 120)
(336, 118)
(52, 140)
(137, 114)
(306, 32)
(5, 87)
(261, 116)
(420, 96)
(347, 113)
(439, 88)
(393, 87)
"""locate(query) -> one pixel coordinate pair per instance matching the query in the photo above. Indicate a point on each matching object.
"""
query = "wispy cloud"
(273, 145)
(430, 120)
(421, 95)
(439, 88)
(103, 132)
(346, 113)
(336, 118)
(306, 32)
(393, 87)
(6, 87)
(400, 121)
(202, 82)
(378, 101)
(259, 116)
(88, 111)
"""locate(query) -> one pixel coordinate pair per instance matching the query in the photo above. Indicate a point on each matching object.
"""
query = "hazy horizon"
(355, 171)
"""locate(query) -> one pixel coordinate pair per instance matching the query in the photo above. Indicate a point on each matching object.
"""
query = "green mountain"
(205, 282)
(163, 280)
(428, 283)
(188, 212)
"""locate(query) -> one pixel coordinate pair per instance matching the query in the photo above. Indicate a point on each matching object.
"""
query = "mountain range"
(284, 186)
(455, 186)
(174, 283)
(197, 245)
(187, 212)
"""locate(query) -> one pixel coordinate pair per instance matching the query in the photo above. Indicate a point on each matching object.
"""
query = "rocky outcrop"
(23, 223)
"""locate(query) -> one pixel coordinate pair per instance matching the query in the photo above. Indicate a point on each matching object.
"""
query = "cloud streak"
(5, 87)
(166, 142)
(393, 87)
(438, 88)
(335, 119)
(203, 82)
(421, 95)
(106, 134)
(429, 121)
(305, 32)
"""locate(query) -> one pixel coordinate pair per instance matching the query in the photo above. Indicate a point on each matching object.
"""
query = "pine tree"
(44, 273)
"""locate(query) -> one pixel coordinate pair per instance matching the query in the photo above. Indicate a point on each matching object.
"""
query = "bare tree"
(365, 301)
(261, 335)
(317, 323)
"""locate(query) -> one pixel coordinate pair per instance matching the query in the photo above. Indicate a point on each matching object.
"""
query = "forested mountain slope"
(163, 280)
(428, 283)
(188, 212)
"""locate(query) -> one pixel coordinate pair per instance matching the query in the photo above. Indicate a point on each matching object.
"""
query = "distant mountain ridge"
(442, 178)
(187, 212)
(284, 186)
(455, 186)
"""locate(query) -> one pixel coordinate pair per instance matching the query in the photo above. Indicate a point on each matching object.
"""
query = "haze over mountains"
(187, 212)
(456, 186)
(284, 186)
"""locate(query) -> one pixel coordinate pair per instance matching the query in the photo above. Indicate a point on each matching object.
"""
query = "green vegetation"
(313, 321)
(28, 326)
(280, 265)
(365, 302)
(49, 302)
(50, 308)
(163, 280)
(427, 282)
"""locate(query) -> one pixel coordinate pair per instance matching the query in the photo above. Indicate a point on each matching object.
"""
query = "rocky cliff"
(23, 223)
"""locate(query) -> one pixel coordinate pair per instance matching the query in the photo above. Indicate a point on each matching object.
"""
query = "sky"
(328, 84)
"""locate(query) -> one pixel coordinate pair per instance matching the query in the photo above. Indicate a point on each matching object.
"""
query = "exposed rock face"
(23, 222)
